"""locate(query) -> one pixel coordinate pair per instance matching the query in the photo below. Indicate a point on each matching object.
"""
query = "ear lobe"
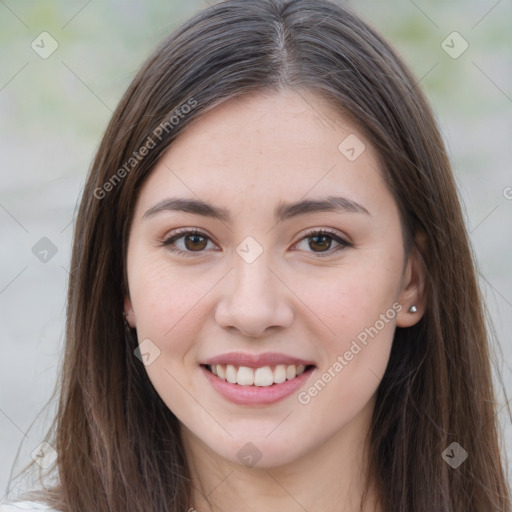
(129, 313)
(413, 291)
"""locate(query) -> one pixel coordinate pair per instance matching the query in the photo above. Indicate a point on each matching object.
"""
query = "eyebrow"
(283, 211)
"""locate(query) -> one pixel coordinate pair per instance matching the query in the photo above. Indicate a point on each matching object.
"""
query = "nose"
(256, 300)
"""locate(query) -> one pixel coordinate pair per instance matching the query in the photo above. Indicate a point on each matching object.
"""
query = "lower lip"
(256, 395)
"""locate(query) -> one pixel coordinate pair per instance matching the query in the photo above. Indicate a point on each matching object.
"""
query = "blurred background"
(65, 65)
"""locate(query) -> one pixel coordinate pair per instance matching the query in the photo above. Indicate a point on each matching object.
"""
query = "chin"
(260, 452)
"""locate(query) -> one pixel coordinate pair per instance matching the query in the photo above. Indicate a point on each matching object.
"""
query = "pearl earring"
(413, 309)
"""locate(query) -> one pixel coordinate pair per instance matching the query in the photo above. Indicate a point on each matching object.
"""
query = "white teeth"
(280, 373)
(291, 371)
(221, 371)
(263, 377)
(231, 374)
(245, 376)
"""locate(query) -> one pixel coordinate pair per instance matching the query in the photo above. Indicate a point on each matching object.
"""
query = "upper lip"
(256, 360)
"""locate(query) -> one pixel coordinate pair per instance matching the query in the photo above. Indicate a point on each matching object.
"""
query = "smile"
(256, 385)
(263, 377)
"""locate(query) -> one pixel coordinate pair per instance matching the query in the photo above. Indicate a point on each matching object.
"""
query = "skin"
(247, 155)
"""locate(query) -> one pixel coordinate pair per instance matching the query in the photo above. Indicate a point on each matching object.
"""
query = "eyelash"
(184, 232)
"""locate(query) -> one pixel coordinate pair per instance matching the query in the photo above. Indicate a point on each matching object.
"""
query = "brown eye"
(187, 241)
(196, 242)
(321, 242)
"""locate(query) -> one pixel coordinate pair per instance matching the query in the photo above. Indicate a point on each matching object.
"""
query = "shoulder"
(16, 506)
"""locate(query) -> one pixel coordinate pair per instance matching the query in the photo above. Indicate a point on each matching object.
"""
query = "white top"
(15, 506)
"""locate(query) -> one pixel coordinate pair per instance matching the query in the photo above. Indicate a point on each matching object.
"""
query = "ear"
(412, 292)
(129, 313)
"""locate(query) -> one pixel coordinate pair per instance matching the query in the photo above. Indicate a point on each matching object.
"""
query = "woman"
(272, 293)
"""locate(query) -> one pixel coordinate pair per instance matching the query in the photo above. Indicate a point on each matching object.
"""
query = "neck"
(331, 478)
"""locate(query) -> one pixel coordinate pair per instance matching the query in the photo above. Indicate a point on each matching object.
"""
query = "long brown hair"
(118, 444)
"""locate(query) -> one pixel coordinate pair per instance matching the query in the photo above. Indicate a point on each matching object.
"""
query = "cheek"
(167, 305)
(351, 298)
(166, 299)
(354, 357)
(357, 305)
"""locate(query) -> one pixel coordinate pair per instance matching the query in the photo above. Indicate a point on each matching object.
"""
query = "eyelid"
(330, 231)
(185, 231)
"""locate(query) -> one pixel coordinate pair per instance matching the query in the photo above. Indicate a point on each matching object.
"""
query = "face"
(296, 306)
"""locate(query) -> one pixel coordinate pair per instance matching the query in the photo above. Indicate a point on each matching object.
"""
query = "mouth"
(263, 377)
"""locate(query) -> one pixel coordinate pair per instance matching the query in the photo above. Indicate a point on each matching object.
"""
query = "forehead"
(256, 151)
